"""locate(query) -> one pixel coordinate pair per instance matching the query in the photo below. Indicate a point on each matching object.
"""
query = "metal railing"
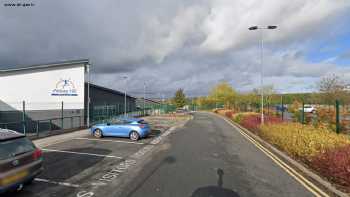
(45, 126)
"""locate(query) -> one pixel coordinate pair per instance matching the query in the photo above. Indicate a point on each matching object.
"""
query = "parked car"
(308, 109)
(134, 129)
(281, 108)
(181, 110)
(20, 160)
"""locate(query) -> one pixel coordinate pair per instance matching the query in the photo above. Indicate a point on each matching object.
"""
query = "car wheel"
(98, 133)
(134, 136)
(30, 181)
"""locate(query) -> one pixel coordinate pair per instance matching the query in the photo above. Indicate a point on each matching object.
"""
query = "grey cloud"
(169, 44)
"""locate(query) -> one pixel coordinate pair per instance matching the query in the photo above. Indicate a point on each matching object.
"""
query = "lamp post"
(144, 98)
(125, 78)
(88, 96)
(261, 66)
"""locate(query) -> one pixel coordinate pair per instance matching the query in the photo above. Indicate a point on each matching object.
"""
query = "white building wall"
(43, 89)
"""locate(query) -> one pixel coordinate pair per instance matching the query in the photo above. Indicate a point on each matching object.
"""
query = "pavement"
(204, 157)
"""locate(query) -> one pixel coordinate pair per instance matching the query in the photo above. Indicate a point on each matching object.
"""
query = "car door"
(112, 129)
(125, 128)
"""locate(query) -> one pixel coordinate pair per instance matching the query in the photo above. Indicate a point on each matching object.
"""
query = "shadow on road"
(215, 191)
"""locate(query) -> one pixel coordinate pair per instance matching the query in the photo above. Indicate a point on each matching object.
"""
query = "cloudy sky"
(190, 44)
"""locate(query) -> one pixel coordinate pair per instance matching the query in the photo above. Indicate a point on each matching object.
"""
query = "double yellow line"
(297, 176)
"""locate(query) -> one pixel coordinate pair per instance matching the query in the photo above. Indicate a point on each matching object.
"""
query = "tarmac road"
(208, 157)
(205, 157)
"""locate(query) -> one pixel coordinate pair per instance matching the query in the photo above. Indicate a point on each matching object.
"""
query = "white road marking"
(104, 140)
(57, 183)
(80, 153)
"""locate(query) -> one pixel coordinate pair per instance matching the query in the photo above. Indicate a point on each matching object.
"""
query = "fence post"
(62, 115)
(302, 113)
(37, 128)
(91, 114)
(337, 118)
(24, 117)
(282, 105)
(71, 122)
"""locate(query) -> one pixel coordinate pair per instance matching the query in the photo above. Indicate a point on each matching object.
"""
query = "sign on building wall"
(65, 87)
(44, 89)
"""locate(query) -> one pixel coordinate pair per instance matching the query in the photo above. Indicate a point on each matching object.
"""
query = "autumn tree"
(223, 93)
(179, 99)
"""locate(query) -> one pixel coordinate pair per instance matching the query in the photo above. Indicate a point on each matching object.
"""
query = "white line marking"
(79, 153)
(117, 141)
(57, 183)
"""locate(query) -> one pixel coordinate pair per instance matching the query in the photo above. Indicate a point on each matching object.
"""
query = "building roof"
(148, 100)
(109, 90)
(45, 65)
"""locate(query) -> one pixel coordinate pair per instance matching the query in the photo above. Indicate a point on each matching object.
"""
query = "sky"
(189, 44)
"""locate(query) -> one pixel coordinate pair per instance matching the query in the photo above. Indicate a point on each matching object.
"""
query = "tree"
(180, 98)
(223, 93)
(332, 88)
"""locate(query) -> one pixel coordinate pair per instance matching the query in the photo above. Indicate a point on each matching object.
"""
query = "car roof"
(133, 119)
(6, 134)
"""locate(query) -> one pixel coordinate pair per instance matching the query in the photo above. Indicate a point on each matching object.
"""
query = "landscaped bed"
(324, 151)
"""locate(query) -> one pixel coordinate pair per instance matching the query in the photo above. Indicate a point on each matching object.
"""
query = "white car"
(308, 109)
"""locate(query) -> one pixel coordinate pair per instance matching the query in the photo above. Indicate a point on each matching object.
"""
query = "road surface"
(208, 157)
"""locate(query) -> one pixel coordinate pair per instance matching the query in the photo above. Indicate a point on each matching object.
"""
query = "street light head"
(271, 27)
(253, 28)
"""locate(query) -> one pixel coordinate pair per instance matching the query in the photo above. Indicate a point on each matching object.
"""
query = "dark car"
(20, 160)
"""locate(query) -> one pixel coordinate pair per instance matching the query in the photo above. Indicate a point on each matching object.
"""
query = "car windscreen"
(14, 147)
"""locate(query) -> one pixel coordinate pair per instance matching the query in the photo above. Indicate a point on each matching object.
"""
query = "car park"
(20, 161)
(134, 128)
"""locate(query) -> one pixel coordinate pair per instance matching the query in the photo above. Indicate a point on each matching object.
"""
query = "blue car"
(133, 128)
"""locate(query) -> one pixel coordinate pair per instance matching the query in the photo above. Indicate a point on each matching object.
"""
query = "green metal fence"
(105, 113)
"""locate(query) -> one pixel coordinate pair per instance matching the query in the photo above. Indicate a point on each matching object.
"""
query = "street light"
(262, 68)
(144, 98)
(125, 78)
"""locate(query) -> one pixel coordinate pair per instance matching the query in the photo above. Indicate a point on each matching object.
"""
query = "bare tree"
(332, 87)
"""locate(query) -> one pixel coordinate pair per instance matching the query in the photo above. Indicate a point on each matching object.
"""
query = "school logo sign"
(64, 87)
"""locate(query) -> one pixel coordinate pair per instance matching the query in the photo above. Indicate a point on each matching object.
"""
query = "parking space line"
(80, 153)
(57, 183)
(116, 141)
